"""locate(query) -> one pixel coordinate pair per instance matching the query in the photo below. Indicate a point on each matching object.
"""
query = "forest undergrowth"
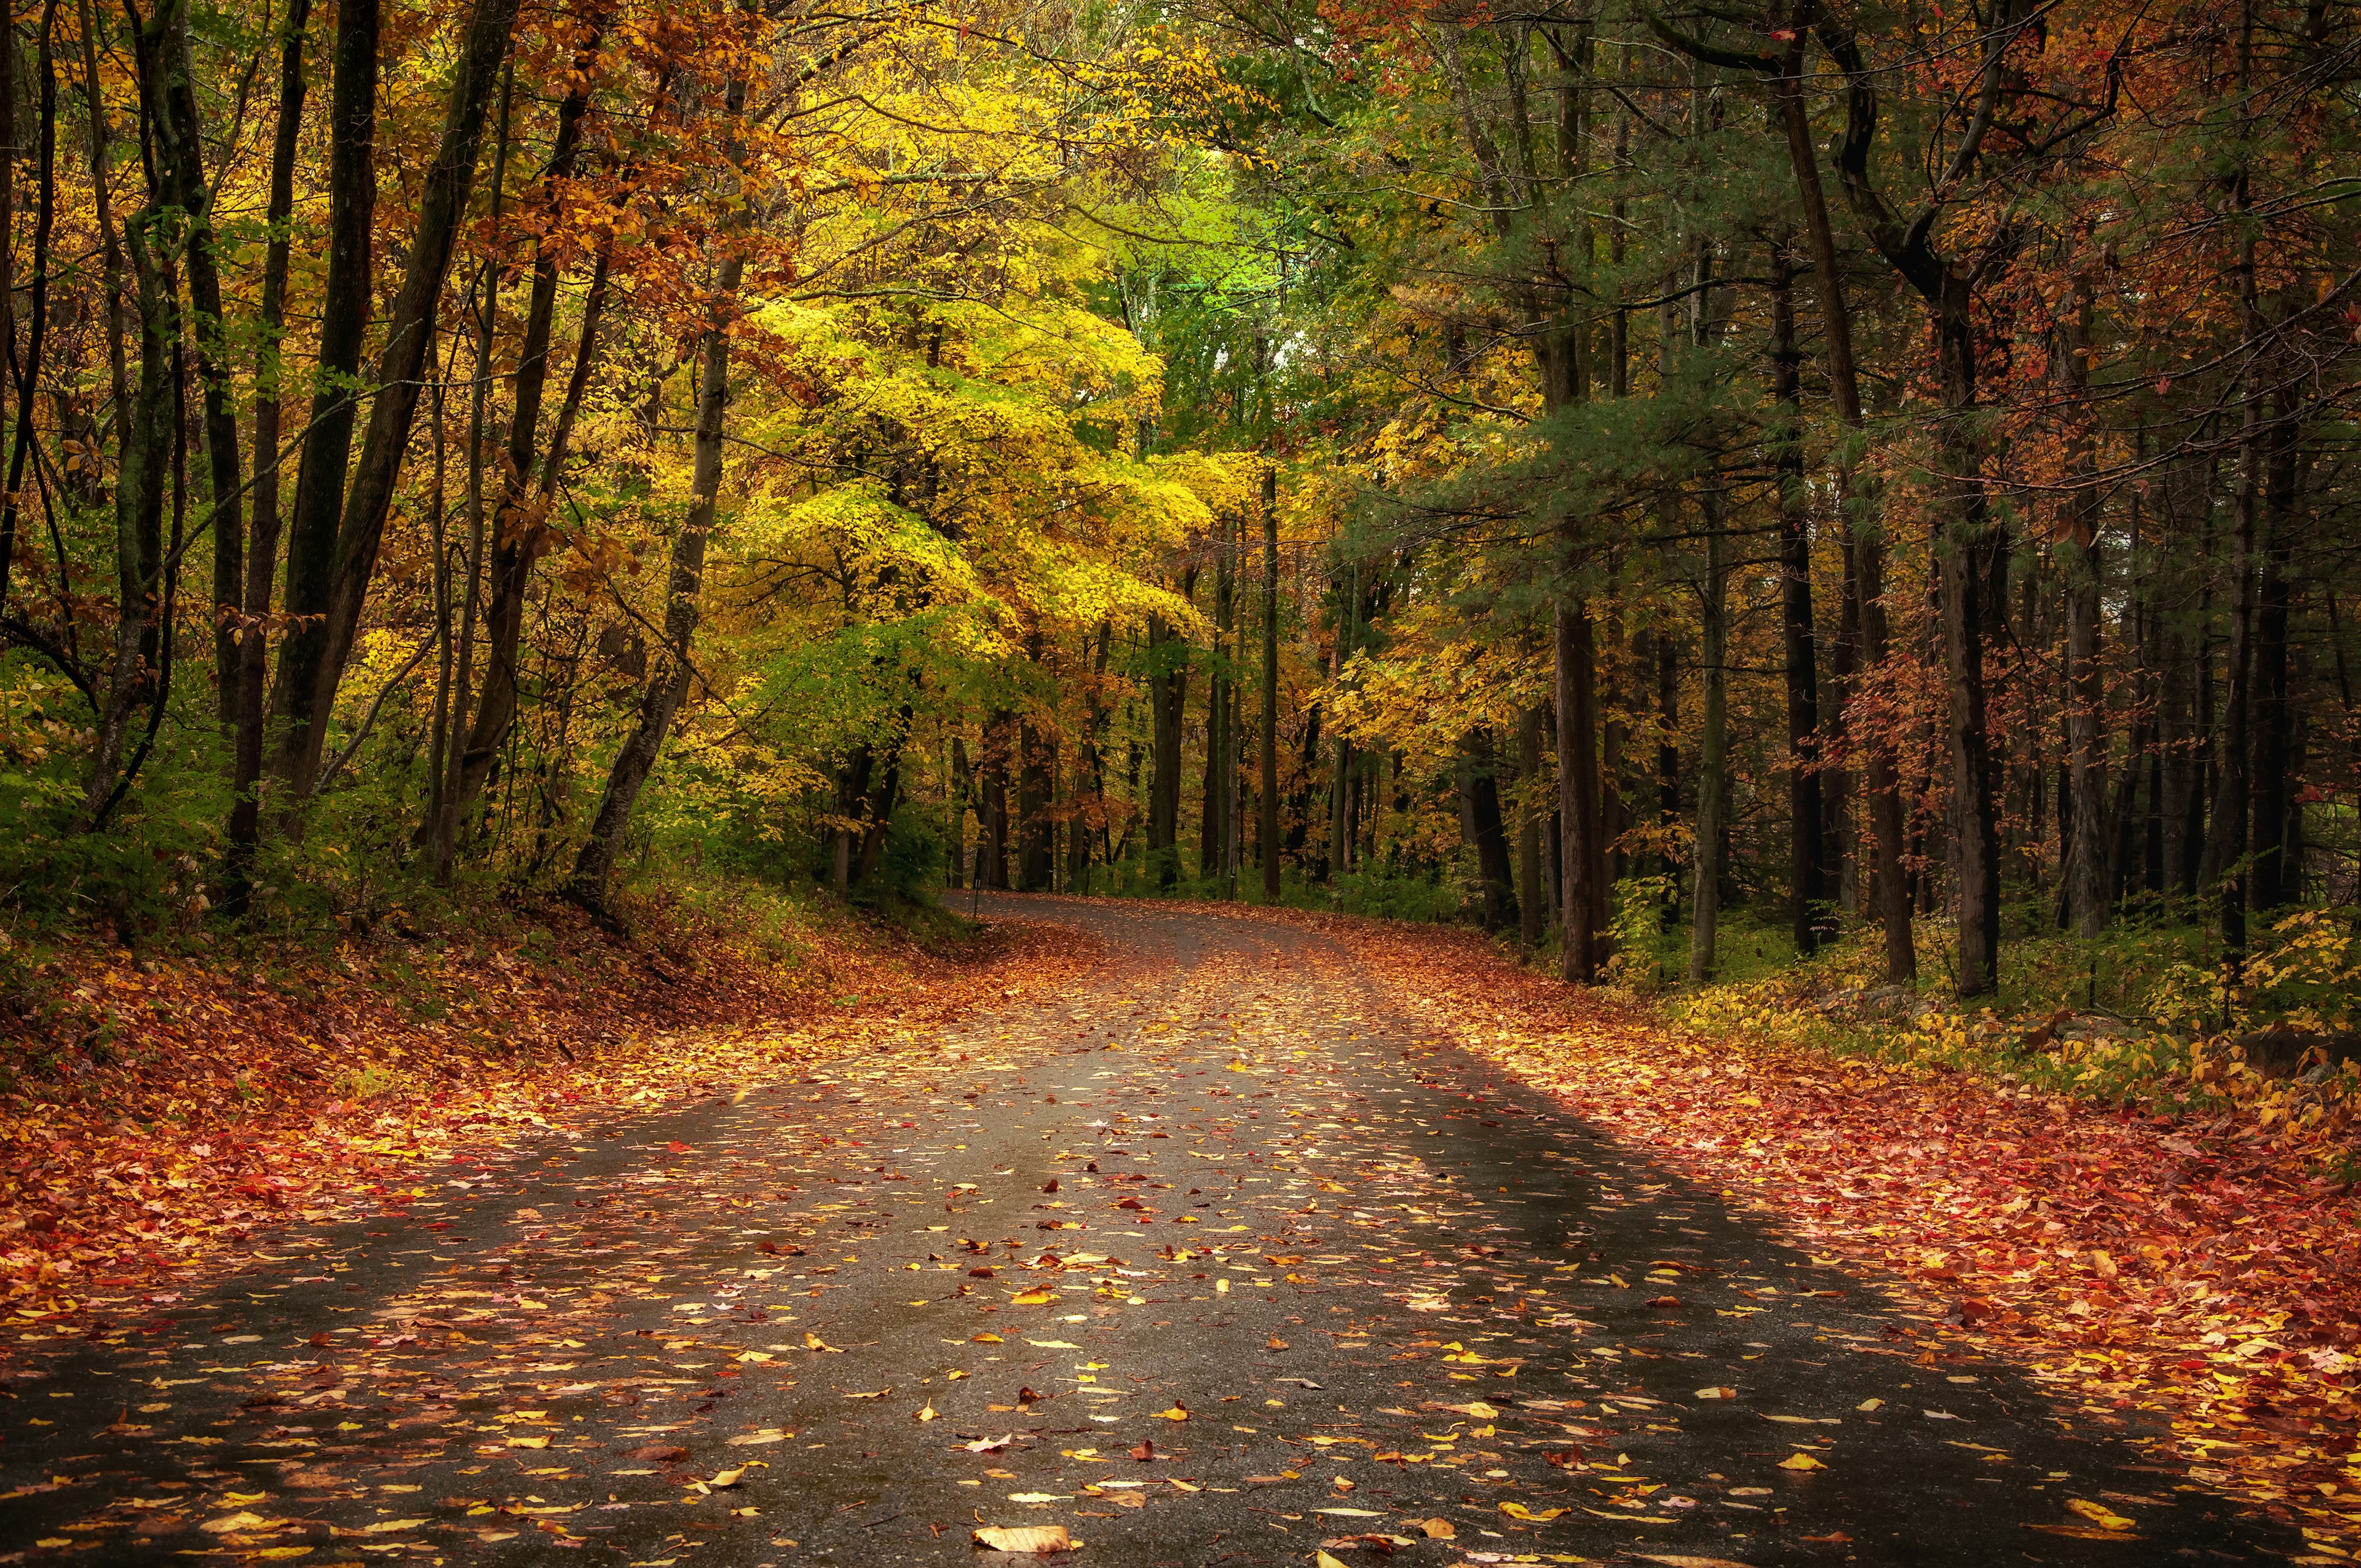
(163, 1105)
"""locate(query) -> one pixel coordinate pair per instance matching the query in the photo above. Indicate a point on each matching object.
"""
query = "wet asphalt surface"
(1212, 1258)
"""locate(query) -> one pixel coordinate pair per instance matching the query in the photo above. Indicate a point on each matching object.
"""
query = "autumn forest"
(1763, 592)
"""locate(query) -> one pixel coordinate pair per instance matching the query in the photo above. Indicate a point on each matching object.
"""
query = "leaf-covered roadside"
(203, 1101)
(2185, 1281)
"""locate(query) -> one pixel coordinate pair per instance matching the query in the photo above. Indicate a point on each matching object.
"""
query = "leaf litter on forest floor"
(2131, 1265)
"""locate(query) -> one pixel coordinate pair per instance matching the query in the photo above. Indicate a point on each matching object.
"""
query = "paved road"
(1210, 1260)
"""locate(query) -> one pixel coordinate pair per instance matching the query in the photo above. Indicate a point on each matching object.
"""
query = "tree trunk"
(327, 439)
(1269, 833)
(1973, 561)
(262, 543)
(2274, 873)
(1480, 824)
(1168, 693)
(668, 684)
(2087, 894)
(447, 184)
(1712, 807)
(1807, 890)
(520, 537)
(1584, 877)
(1532, 896)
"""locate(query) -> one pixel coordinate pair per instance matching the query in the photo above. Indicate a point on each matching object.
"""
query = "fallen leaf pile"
(2187, 1283)
(222, 1102)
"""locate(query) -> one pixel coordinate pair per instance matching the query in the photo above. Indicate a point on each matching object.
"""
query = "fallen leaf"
(659, 1452)
(2100, 1514)
(1179, 1413)
(2083, 1531)
(392, 1526)
(1717, 1392)
(1435, 1529)
(1038, 1538)
(1519, 1511)
(1801, 1462)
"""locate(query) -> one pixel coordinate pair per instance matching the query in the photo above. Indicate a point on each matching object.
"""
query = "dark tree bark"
(1584, 877)
(1480, 825)
(263, 543)
(1270, 826)
(1167, 691)
(1807, 891)
(313, 664)
(328, 435)
(2275, 878)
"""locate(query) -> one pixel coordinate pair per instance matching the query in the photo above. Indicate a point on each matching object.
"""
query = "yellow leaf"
(391, 1526)
(1519, 1511)
(2100, 1514)
(528, 1442)
(1321, 1560)
(1717, 1392)
(927, 1414)
(1031, 1299)
(1179, 1413)
(278, 1553)
(1801, 1462)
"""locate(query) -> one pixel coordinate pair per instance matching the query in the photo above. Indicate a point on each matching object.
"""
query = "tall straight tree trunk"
(1532, 895)
(446, 189)
(1167, 692)
(445, 803)
(1090, 773)
(1668, 770)
(1973, 563)
(345, 302)
(1220, 687)
(2087, 895)
(2275, 872)
(1806, 871)
(1713, 767)
(669, 679)
(1480, 825)
(262, 543)
(179, 134)
(144, 466)
(1864, 540)
(1585, 876)
(1036, 773)
(1340, 804)
(28, 369)
(1268, 831)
